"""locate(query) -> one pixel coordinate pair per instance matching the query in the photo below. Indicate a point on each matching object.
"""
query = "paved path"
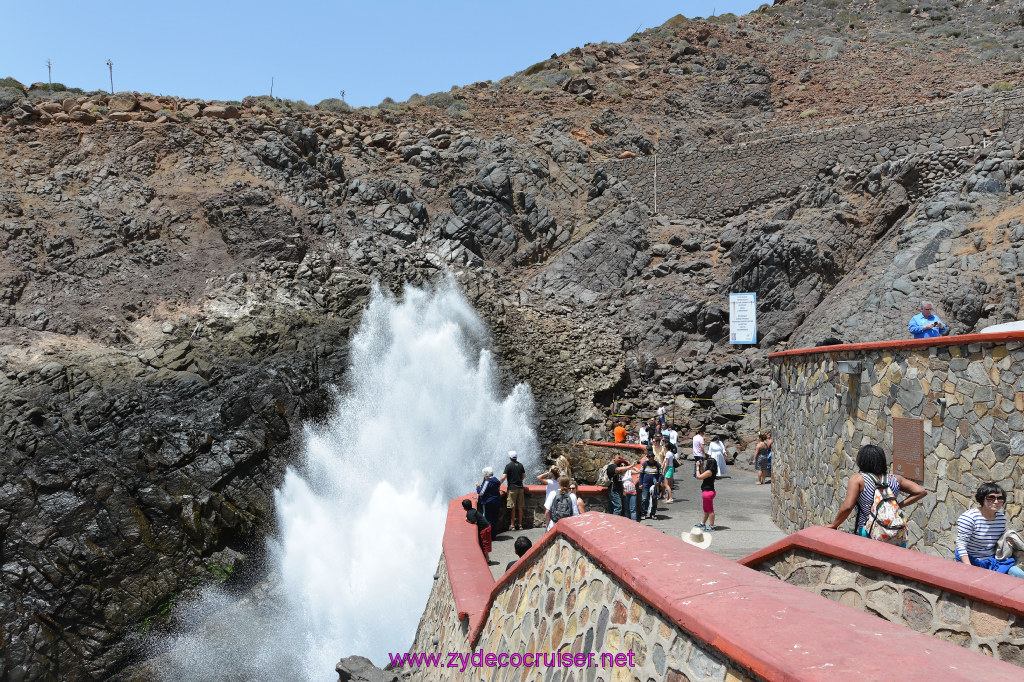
(742, 517)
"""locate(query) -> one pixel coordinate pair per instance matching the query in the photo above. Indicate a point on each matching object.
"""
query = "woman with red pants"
(707, 472)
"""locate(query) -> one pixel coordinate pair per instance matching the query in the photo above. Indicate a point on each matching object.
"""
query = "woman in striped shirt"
(978, 531)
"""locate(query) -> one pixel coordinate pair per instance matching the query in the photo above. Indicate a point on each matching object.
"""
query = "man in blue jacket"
(926, 324)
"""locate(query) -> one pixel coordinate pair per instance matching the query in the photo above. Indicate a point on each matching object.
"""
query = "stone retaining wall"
(973, 608)
(588, 458)
(976, 626)
(599, 584)
(562, 602)
(724, 180)
(977, 436)
(595, 498)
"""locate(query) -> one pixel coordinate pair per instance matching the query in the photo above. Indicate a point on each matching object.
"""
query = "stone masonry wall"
(564, 602)
(927, 609)
(440, 628)
(723, 180)
(977, 437)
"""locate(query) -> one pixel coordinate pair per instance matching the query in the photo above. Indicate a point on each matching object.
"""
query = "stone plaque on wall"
(908, 448)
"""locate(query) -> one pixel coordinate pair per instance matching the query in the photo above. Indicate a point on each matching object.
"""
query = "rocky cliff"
(178, 278)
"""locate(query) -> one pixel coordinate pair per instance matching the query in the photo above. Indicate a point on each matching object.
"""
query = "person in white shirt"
(642, 435)
(698, 448)
(717, 450)
(560, 503)
(698, 444)
(550, 479)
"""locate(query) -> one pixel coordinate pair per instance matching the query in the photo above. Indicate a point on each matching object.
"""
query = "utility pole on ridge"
(49, 76)
(110, 65)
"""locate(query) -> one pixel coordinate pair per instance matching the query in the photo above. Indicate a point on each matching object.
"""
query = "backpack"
(602, 476)
(885, 521)
(561, 507)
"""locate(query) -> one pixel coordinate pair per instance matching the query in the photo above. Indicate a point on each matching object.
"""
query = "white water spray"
(361, 518)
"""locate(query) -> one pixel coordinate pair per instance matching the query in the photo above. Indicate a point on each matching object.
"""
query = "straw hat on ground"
(697, 537)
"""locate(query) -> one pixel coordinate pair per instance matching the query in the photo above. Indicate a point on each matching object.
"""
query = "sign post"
(743, 318)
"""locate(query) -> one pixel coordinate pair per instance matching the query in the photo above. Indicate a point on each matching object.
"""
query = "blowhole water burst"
(361, 516)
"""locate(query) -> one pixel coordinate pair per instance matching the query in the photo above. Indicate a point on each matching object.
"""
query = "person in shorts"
(482, 526)
(761, 457)
(514, 474)
(671, 459)
(707, 472)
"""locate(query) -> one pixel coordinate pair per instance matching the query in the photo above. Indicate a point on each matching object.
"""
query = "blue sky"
(371, 49)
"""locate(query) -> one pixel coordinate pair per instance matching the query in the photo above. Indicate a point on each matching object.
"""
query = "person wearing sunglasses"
(574, 490)
(978, 531)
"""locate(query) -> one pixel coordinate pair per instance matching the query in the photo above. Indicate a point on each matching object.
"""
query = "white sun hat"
(697, 537)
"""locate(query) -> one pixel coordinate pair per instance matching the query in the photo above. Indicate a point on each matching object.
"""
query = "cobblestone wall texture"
(720, 181)
(565, 602)
(977, 437)
(976, 626)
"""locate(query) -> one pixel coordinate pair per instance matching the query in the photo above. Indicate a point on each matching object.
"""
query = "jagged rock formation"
(178, 278)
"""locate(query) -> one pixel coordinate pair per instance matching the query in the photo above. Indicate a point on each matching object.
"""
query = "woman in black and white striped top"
(978, 531)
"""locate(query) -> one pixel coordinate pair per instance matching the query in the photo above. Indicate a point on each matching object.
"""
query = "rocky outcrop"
(179, 278)
(360, 669)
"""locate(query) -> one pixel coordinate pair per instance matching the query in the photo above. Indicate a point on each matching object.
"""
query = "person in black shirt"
(482, 526)
(615, 468)
(707, 472)
(523, 544)
(650, 479)
(515, 473)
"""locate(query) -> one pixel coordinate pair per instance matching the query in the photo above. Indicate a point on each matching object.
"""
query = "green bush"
(678, 21)
(808, 113)
(540, 66)
(220, 572)
(13, 85)
(458, 109)
(334, 105)
(1002, 86)
(441, 100)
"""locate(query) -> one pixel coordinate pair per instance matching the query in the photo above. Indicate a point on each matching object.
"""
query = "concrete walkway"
(742, 517)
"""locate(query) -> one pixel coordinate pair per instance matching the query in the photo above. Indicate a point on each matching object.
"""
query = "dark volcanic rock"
(179, 279)
(359, 669)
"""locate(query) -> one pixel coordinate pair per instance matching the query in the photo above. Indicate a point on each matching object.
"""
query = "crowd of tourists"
(635, 487)
(983, 537)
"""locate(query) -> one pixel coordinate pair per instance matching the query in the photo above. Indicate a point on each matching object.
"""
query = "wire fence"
(709, 406)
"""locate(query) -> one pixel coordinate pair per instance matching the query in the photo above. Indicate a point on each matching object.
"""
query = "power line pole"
(110, 65)
(271, 87)
(342, 95)
(49, 75)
